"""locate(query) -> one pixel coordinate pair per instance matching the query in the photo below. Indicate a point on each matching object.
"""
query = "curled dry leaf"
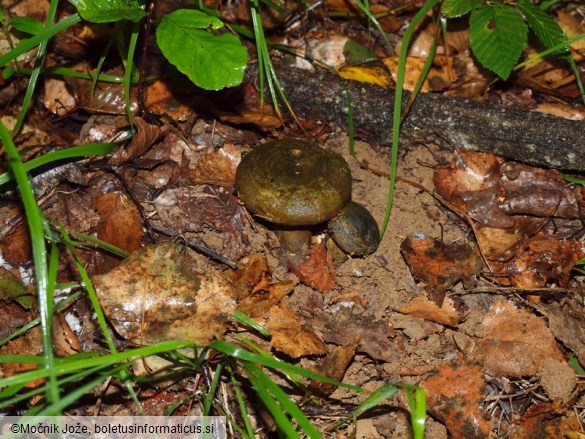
(426, 309)
(290, 335)
(251, 281)
(146, 135)
(317, 270)
(107, 97)
(455, 395)
(440, 265)
(154, 295)
(508, 204)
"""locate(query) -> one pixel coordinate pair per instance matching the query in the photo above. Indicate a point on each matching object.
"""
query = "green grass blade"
(418, 409)
(245, 355)
(273, 403)
(242, 319)
(49, 31)
(65, 154)
(208, 398)
(397, 116)
(33, 80)
(35, 222)
(129, 69)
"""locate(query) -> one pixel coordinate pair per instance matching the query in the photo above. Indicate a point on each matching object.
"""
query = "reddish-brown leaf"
(120, 221)
(454, 395)
(440, 265)
(317, 270)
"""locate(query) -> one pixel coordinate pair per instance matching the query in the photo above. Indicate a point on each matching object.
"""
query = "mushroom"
(295, 184)
(355, 231)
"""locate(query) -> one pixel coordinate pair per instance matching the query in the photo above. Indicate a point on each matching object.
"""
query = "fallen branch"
(521, 135)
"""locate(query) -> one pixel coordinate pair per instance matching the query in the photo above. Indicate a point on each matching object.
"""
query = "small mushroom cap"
(355, 230)
(293, 182)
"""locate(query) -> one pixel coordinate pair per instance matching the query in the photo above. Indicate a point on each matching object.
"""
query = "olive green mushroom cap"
(293, 182)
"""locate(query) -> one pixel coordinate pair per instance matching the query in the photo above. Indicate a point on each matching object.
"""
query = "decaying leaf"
(565, 321)
(508, 204)
(154, 295)
(439, 264)
(512, 342)
(290, 335)
(333, 365)
(218, 167)
(193, 208)
(317, 270)
(426, 309)
(145, 136)
(251, 281)
(120, 222)
(454, 395)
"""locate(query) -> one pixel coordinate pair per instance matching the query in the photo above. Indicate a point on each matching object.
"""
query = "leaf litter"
(484, 321)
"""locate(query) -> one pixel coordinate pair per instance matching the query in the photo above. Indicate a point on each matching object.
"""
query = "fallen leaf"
(194, 208)
(440, 265)
(120, 222)
(455, 395)
(426, 309)
(218, 167)
(251, 281)
(146, 135)
(565, 321)
(154, 295)
(290, 335)
(333, 366)
(317, 270)
(543, 259)
(512, 342)
(438, 78)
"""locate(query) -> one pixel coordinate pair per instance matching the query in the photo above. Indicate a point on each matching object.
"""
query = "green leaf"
(546, 29)
(457, 8)
(497, 36)
(106, 11)
(27, 25)
(211, 61)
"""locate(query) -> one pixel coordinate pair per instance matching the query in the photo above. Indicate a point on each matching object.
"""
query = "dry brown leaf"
(543, 259)
(251, 281)
(193, 208)
(218, 167)
(565, 321)
(376, 338)
(317, 270)
(439, 77)
(107, 97)
(154, 295)
(290, 335)
(440, 265)
(455, 395)
(57, 99)
(513, 342)
(146, 135)
(120, 222)
(159, 99)
(15, 245)
(426, 309)
(333, 366)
